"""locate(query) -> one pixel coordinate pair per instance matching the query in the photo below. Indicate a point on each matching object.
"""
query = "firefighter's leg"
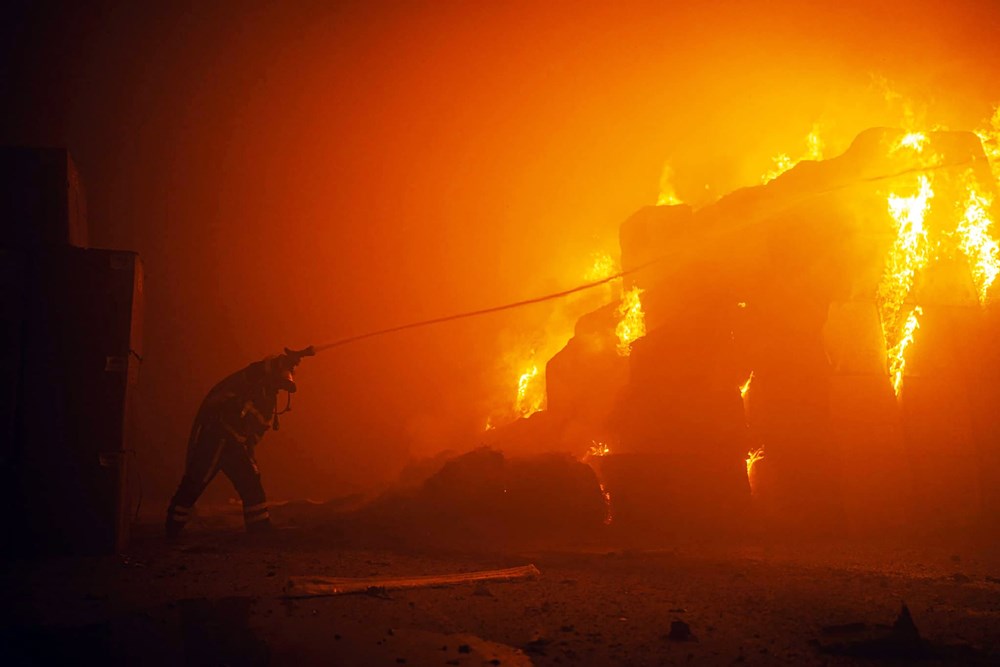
(240, 466)
(205, 451)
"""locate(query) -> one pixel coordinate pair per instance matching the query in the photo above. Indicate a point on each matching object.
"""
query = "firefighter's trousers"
(211, 449)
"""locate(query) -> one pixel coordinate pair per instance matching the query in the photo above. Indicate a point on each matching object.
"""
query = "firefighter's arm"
(253, 419)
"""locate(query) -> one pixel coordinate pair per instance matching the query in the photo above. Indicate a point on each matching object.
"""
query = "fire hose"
(475, 313)
(314, 349)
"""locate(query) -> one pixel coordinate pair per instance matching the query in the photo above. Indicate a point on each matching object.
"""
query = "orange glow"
(745, 387)
(632, 325)
(449, 158)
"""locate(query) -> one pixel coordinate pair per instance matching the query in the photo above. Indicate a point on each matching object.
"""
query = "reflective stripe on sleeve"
(251, 409)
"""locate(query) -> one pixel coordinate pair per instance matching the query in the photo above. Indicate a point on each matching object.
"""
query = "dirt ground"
(216, 597)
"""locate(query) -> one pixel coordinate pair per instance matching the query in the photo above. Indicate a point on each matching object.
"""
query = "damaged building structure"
(827, 336)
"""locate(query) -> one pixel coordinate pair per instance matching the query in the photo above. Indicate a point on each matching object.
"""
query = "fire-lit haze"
(300, 173)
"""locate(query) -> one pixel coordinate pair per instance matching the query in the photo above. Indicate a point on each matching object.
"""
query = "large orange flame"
(909, 255)
(976, 240)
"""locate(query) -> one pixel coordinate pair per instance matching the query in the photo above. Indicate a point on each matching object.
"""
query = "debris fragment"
(537, 646)
(681, 632)
(901, 641)
(318, 586)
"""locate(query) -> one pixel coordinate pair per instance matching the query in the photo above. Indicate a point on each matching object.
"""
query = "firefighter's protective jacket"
(244, 403)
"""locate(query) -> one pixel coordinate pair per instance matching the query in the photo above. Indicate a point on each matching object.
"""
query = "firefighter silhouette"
(232, 419)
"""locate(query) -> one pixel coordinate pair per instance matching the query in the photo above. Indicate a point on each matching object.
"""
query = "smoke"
(298, 173)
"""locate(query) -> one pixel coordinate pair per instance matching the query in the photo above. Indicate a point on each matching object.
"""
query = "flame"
(814, 145)
(597, 449)
(668, 196)
(915, 141)
(530, 392)
(608, 516)
(909, 255)
(989, 135)
(782, 162)
(897, 354)
(976, 242)
(524, 361)
(603, 266)
(632, 325)
(975, 239)
(752, 457)
(745, 387)
(912, 249)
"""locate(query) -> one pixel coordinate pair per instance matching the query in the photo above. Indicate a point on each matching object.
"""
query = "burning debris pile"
(483, 496)
(826, 338)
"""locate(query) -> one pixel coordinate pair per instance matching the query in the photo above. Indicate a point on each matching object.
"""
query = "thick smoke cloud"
(292, 174)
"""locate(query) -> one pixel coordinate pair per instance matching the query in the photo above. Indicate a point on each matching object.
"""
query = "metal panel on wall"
(42, 201)
(82, 353)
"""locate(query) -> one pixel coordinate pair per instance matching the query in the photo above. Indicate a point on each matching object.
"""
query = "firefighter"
(230, 422)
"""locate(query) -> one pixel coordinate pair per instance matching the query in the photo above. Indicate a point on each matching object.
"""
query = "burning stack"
(836, 318)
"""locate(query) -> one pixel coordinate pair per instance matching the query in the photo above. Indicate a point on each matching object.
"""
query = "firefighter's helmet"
(278, 371)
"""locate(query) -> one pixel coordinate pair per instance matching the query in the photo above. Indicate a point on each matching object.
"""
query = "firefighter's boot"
(177, 516)
(257, 518)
